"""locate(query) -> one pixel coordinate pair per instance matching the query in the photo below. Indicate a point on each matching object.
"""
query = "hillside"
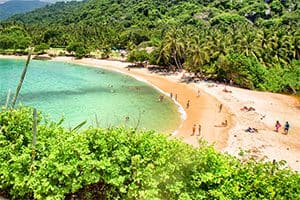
(12, 7)
(220, 39)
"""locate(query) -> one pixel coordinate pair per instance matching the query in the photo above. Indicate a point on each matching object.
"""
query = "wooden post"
(21, 79)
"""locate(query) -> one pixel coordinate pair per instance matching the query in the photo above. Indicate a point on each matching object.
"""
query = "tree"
(172, 47)
(243, 70)
(77, 48)
(15, 38)
(138, 56)
(197, 54)
(41, 48)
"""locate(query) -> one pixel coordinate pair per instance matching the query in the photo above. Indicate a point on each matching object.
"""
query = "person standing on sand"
(199, 130)
(198, 94)
(171, 95)
(175, 97)
(277, 126)
(194, 130)
(220, 107)
(188, 104)
(286, 128)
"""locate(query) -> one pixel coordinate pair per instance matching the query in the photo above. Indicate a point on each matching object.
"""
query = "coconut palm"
(197, 53)
(172, 47)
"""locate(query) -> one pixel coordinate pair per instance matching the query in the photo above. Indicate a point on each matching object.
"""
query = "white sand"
(269, 107)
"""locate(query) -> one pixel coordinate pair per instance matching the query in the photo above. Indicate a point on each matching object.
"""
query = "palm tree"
(172, 47)
(197, 53)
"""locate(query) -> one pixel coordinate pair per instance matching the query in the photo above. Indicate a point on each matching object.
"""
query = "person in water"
(161, 98)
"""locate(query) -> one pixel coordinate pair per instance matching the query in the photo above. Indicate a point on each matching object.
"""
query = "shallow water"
(80, 93)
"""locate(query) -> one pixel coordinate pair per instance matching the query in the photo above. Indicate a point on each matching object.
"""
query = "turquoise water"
(80, 93)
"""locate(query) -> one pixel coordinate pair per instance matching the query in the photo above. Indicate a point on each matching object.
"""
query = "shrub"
(244, 71)
(118, 163)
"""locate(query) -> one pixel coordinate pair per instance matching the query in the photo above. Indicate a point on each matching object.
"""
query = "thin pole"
(21, 79)
(7, 98)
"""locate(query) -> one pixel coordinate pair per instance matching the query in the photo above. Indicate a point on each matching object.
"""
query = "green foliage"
(119, 163)
(244, 71)
(276, 7)
(226, 19)
(78, 48)
(192, 35)
(254, 11)
(41, 48)
(283, 79)
(14, 37)
(138, 56)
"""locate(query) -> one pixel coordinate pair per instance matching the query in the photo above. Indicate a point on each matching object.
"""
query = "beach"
(204, 109)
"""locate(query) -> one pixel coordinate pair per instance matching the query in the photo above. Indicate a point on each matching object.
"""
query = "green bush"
(138, 56)
(41, 48)
(244, 71)
(283, 79)
(226, 19)
(118, 163)
(78, 48)
(14, 37)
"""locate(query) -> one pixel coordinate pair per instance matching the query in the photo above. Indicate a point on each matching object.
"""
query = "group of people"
(194, 130)
(171, 96)
(286, 127)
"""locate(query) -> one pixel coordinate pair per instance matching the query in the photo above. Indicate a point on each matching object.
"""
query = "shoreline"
(269, 107)
(199, 111)
(196, 114)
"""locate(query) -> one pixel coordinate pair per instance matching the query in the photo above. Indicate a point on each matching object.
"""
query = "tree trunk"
(176, 61)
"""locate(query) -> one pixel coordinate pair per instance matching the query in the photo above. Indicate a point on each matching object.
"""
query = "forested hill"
(12, 7)
(131, 12)
(254, 43)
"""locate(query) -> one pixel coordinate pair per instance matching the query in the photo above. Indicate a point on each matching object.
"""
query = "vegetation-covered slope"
(117, 163)
(13, 7)
(256, 44)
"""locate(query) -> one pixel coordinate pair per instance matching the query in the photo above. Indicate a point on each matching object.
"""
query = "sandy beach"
(204, 109)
